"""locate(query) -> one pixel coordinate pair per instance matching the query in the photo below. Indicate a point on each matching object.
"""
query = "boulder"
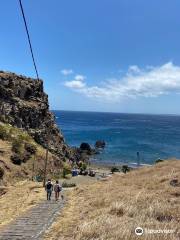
(85, 147)
(100, 144)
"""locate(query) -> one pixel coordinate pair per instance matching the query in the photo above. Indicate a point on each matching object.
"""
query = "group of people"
(49, 187)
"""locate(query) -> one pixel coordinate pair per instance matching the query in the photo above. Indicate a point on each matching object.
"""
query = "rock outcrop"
(24, 104)
(100, 144)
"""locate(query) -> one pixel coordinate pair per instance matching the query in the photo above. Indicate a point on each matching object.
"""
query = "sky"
(98, 55)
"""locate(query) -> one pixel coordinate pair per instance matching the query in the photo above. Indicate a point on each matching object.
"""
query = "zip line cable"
(29, 39)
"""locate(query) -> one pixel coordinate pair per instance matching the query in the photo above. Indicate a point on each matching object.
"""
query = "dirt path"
(33, 223)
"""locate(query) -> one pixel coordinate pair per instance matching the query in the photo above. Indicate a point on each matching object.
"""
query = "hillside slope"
(112, 209)
(21, 157)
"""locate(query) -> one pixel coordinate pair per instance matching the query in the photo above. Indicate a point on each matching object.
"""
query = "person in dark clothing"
(49, 189)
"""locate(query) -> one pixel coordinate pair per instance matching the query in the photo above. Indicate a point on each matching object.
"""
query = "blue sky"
(98, 55)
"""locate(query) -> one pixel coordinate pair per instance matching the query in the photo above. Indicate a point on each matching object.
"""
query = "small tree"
(114, 169)
(125, 168)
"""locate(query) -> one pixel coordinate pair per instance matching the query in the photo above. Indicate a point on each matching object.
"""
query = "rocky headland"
(28, 128)
(24, 104)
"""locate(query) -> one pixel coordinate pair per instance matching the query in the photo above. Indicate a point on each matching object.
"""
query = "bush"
(159, 160)
(31, 148)
(3, 133)
(1, 173)
(3, 118)
(26, 156)
(68, 185)
(84, 166)
(16, 159)
(125, 168)
(66, 170)
(114, 169)
(16, 146)
(24, 137)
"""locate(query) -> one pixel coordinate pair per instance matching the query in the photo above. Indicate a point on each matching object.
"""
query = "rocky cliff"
(24, 104)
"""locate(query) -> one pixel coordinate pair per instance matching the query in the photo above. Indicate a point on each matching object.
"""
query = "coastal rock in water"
(85, 147)
(24, 104)
(100, 144)
(86, 150)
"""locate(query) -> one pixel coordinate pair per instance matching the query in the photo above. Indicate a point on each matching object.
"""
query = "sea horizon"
(131, 113)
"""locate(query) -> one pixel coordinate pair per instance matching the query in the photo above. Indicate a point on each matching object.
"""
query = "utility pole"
(45, 166)
(47, 151)
(33, 167)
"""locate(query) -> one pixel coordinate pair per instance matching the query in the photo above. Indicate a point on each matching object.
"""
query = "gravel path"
(33, 223)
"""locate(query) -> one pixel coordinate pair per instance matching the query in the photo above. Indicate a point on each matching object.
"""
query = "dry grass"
(112, 210)
(18, 199)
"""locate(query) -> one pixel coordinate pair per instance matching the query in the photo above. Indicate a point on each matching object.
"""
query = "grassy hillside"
(19, 153)
(111, 210)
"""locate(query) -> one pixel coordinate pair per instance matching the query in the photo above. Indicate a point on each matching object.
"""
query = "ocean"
(153, 136)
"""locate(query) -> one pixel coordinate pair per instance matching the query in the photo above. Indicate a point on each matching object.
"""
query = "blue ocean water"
(153, 136)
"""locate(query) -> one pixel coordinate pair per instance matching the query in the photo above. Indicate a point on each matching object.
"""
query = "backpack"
(48, 186)
(59, 188)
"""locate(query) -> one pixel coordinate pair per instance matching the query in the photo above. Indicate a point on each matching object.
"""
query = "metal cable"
(29, 39)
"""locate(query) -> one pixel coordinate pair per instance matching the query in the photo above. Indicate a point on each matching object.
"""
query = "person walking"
(57, 190)
(49, 189)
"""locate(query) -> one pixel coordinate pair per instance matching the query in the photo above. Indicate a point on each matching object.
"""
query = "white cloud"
(148, 82)
(134, 69)
(76, 83)
(80, 78)
(66, 72)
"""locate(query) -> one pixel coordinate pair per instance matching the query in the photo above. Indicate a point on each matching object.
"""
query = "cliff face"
(24, 104)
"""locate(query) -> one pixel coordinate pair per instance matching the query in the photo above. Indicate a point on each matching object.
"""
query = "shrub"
(16, 159)
(24, 137)
(31, 148)
(68, 185)
(1, 173)
(66, 170)
(3, 118)
(26, 156)
(80, 163)
(16, 146)
(84, 166)
(114, 169)
(159, 160)
(125, 168)
(3, 133)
